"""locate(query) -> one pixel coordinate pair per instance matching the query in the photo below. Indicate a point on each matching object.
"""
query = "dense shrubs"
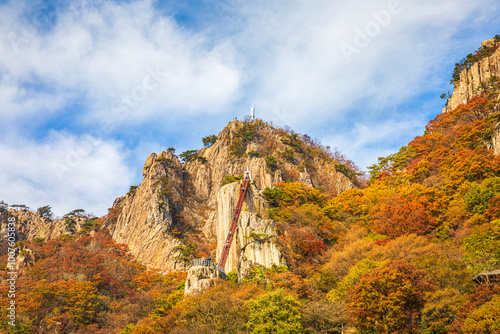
(242, 137)
(87, 285)
(271, 163)
(230, 179)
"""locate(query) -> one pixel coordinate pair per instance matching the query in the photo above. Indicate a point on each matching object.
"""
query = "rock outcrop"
(254, 242)
(495, 140)
(30, 225)
(147, 213)
(218, 160)
(200, 278)
(182, 210)
(181, 204)
(473, 78)
(476, 79)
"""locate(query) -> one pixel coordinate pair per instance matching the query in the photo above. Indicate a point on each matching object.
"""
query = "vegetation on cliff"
(474, 57)
(291, 152)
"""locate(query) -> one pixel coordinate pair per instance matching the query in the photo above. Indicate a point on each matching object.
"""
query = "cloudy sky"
(88, 89)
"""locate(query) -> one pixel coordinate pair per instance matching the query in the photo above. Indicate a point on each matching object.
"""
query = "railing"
(205, 262)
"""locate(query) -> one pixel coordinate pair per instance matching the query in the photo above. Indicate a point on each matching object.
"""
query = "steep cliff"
(473, 79)
(147, 213)
(254, 242)
(178, 205)
(480, 73)
(495, 140)
(182, 210)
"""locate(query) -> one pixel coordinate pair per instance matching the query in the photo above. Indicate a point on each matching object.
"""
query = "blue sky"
(88, 89)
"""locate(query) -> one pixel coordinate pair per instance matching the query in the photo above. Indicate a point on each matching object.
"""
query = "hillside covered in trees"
(398, 254)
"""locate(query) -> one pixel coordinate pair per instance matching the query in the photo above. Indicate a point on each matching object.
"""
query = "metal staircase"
(234, 222)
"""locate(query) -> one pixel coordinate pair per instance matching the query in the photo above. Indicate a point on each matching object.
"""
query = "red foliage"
(310, 245)
(86, 285)
(389, 299)
(453, 146)
(397, 215)
(482, 294)
(493, 211)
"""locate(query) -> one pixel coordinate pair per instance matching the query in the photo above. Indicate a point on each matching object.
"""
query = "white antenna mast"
(248, 173)
(252, 113)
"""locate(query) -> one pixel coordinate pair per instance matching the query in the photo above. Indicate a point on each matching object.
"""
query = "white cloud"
(65, 171)
(364, 143)
(117, 68)
(104, 51)
(300, 65)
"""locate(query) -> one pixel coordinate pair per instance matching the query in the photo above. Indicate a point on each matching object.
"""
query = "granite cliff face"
(177, 205)
(472, 79)
(30, 225)
(182, 210)
(254, 242)
(147, 213)
(495, 141)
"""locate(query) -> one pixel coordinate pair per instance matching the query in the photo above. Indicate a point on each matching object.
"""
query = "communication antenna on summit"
(249, 173)
(252, 113)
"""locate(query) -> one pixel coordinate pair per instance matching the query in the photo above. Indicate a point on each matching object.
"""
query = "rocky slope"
(476, 79)
(147, 213)
(183, 210)
(473, 78)
(177, 205)
(30, 225)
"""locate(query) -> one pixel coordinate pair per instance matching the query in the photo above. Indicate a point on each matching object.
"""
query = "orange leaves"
(474, 109)
(483, 295)
(389, 299)
(73, 280)
(469, 165)
(392, 210)
(450, 154)
(397, 215)
(66, 301)
(304, 227)
(218, 310)
(299, 245)
(493, 211)
(453, 146)
(82, 301)
(411, 209)
(352, 201)
(146, 279)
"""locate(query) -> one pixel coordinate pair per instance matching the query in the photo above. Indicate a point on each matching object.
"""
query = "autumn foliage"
(389, 299)
(397, 256)
(87, 285)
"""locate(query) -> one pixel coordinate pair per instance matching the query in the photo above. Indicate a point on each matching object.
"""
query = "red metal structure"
(234, 222)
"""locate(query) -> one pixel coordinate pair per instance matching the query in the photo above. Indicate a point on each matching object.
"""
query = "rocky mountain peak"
(475, 73)
(183, 207)
(181, 204)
